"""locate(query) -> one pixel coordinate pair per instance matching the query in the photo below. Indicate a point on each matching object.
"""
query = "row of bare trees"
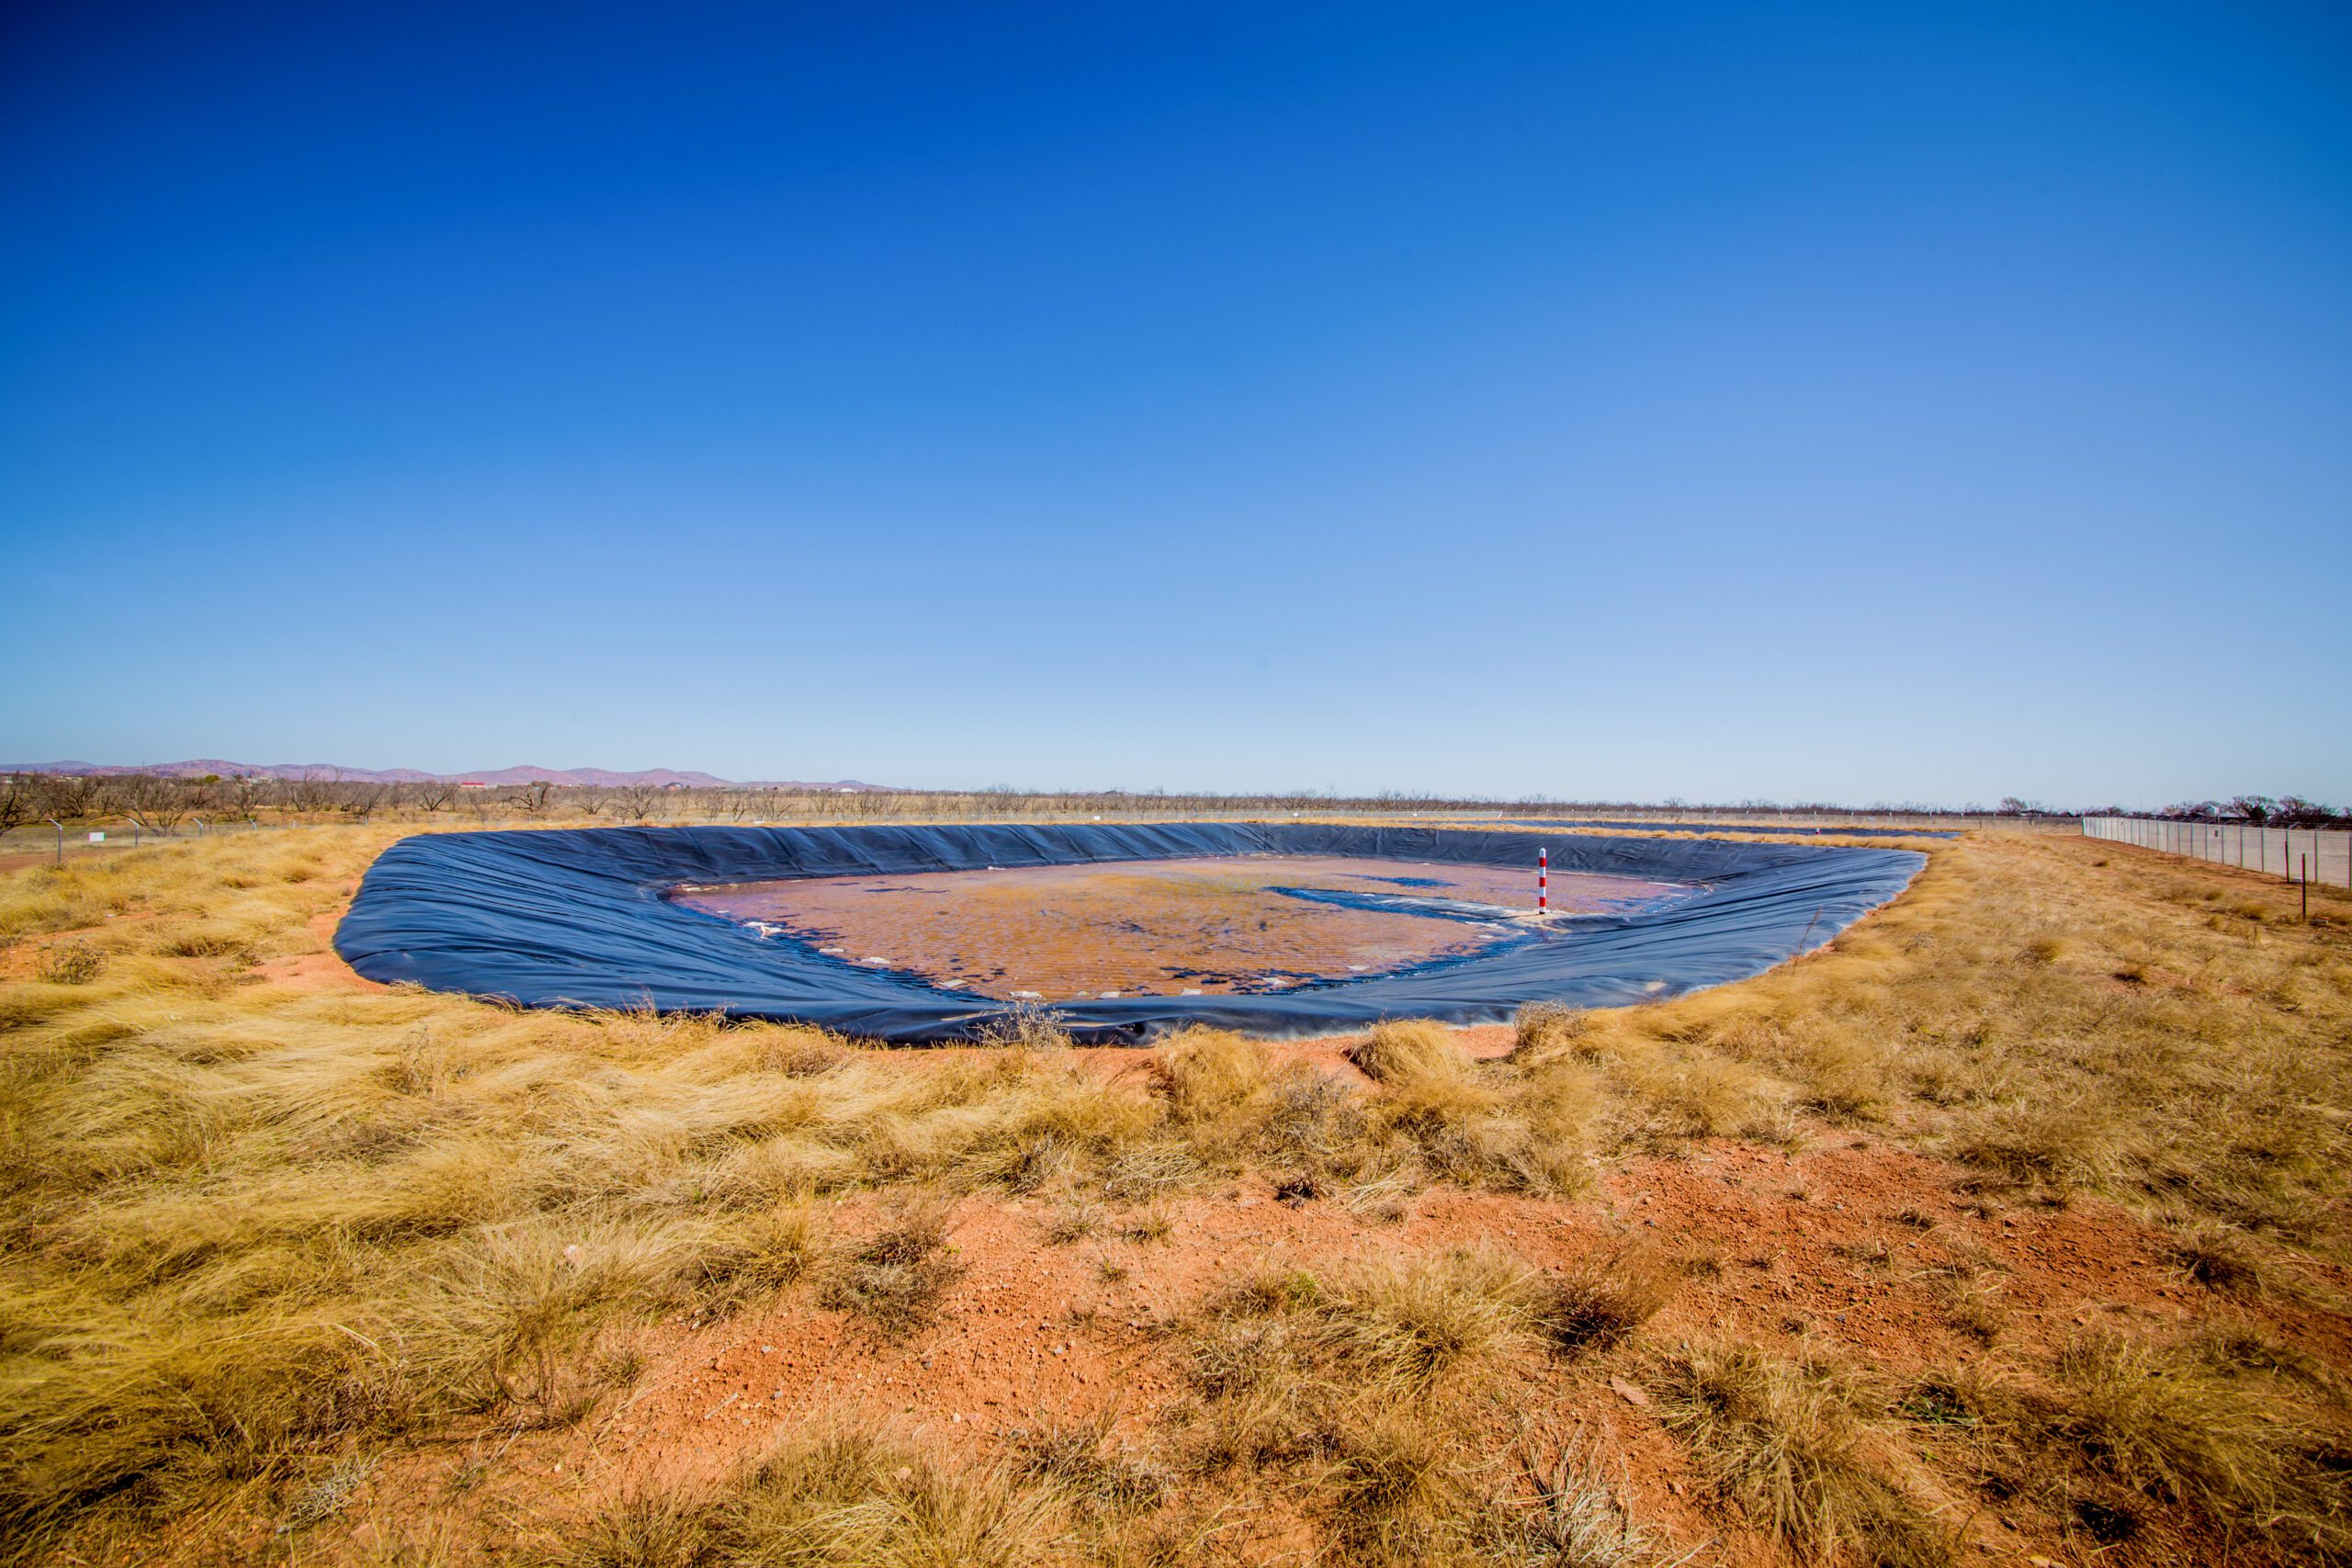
(2259, 811)
(167, 804)
(164, 804)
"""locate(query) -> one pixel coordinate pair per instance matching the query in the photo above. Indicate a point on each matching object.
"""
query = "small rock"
(1630, 1393)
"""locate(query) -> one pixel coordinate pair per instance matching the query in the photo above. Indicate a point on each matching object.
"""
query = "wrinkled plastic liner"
(579, 918)
(1787, 829)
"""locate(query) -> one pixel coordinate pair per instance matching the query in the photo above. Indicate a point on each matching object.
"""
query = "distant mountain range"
(203, 767)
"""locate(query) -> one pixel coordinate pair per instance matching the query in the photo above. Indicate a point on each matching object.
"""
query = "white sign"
(98, 837)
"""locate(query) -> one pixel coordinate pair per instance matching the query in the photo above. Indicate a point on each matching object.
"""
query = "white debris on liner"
(1108, 996)
(832, 950)
(1030, 996)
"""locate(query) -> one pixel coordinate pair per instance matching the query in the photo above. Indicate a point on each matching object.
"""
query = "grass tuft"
(2219, 1257)
(1412, 1053)
(1085, 1462)
(1779, 1440)
(838, 1501)
(1600, 1300)
(70, 964)
(895, 1279)
(756, 1256)
(2157, 1422)
(1580, 1520)
(1543, 1031)
(1207, 1073)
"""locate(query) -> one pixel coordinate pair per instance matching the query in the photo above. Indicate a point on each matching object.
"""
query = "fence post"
(60, 836)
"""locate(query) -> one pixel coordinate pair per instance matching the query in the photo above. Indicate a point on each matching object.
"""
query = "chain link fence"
(2299, 854)
(93, 835)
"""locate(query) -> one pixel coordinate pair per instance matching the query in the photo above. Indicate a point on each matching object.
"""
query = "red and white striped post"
(1543, 879)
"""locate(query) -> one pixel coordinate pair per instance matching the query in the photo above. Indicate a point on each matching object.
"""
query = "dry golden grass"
(1413, 1054)
(895, 1279)
(1580, 1520)
(1787, 1445)
(2150, 1449)
(257, 1231)
(1346, 1392)
(1602, 1300)
(1981, 1017)
(842, 1499)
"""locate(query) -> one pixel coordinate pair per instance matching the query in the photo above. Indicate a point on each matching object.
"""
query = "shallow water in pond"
(1226, 923)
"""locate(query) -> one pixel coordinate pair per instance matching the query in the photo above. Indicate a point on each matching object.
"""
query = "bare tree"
(156, 803)
(360, 800)
(435, 795)
(312, 792)
(202, 793)
(72, 794)
(2294, 811)
(638, 801)
(22, 795)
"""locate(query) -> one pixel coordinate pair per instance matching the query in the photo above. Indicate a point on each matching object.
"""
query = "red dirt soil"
(1843, 1242)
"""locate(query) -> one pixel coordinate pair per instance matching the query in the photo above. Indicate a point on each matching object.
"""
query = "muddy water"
(1230, 923)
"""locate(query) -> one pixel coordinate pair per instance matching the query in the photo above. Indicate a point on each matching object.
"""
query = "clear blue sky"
(1916, 401)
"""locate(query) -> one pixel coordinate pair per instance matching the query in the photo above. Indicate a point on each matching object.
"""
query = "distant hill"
(203, 767)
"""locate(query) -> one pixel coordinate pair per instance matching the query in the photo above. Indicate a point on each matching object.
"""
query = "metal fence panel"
(2321, 854)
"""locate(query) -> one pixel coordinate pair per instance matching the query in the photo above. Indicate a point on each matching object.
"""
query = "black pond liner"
(1786, 829)
(580, 918)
